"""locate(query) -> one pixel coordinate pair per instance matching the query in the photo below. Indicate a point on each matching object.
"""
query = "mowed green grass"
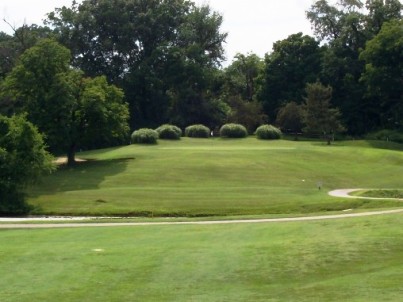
(354, 259)
(210, 177)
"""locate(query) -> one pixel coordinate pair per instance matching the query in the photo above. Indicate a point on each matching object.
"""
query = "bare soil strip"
(63, 160)
(271, 220)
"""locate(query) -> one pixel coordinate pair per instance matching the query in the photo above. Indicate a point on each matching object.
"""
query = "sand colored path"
(270, 220)
(12, 223)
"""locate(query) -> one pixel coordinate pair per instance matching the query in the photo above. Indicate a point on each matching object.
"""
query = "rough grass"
(355, 259)
(220, 177)
(381, 193)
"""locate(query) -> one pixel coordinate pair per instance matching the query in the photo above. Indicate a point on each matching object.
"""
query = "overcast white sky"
(252, 25)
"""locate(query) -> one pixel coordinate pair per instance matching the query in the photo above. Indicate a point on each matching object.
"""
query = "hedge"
(233, 131)
(169, 132)
(268, 132)
(144, 136)
(198, 130)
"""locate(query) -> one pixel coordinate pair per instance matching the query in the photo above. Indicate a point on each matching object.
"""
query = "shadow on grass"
(377, 144)
(385, 145)
(82, 176)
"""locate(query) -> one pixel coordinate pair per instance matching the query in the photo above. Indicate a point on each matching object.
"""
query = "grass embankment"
(380, 193)
(218, 177)
(355, 259)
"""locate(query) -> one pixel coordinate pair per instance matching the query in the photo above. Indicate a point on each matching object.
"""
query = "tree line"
(99, 68)
(165, 56)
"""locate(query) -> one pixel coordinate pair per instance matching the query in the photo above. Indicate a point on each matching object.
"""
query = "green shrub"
(387, 135)
(268, 132)
(169, 132)
(199, 131)
(233, 131)
(12, 200)
(144, 136)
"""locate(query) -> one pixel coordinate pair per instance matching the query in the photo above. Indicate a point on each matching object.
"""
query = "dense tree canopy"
(11, 47)
(238, 86)
(383, 75)
(165, 55)
(345, 28)
(159, 51)
(23, 159)
(290, 118)
(242, 77)
(294, 62)
(71, 110)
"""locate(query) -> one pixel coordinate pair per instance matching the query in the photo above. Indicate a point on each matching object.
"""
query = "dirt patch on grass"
(63, 160)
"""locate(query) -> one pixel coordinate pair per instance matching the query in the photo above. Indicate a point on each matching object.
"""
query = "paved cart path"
(12, 222)
(269, 220)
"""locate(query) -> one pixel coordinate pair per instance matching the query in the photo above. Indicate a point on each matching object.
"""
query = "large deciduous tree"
(292, 64)
(242, 76)
(190, 70)
(344, 28)
(71, 110)
(12, 46)
(239, 85)
(381, 11)
(320, 118)
(23, 159)
(249, 114)
(290, 118)
(383, 75)
(160, 52)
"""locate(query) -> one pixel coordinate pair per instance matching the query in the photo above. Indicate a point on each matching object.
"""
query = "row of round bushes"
(268, 132)
(199, 131)
(169, 132)
(233, 131)
(150, 136)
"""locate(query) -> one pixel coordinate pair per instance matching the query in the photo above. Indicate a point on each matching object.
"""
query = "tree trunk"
(71, 155)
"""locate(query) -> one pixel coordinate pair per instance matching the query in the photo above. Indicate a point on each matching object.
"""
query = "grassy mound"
(194, 177)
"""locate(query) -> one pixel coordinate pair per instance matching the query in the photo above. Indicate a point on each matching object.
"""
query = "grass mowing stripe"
(234, 149)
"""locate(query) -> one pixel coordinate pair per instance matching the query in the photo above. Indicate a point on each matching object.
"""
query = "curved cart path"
(270, 220)
(345, 194)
